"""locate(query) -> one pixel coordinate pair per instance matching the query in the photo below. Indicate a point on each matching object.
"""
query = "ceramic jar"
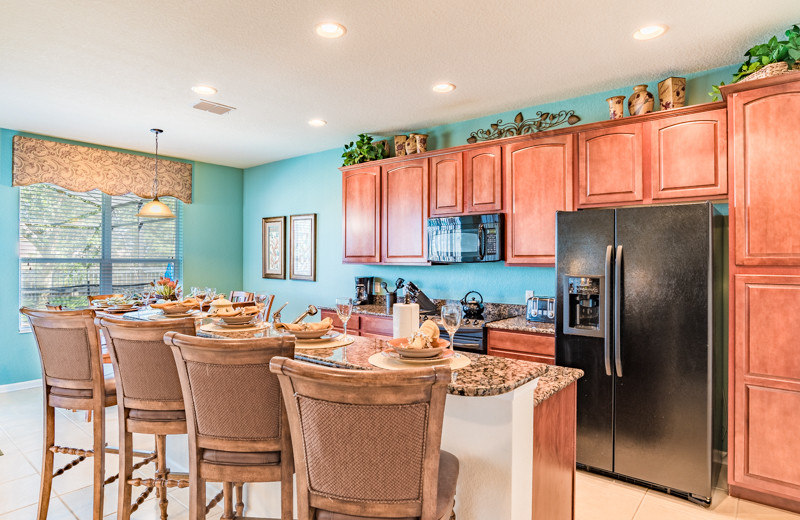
(385, 145)
(422, 142)
(616, 107)
(411, 144)
(641, 101)
(400, 145)
(672, 93)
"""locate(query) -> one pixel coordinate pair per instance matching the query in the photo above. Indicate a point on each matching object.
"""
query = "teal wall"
(212, 249)
(312, 184)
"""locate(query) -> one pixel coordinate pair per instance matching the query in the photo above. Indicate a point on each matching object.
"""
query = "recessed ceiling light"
(648, 32)
(444, 87)
(204, 90)
(331, 30)
(317, 122)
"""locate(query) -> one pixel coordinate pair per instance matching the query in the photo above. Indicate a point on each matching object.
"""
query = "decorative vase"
(641, 101)
(385, 145)
(411, 144)
(616, 107)
(672, 93)
(422, 142)
(400, 145)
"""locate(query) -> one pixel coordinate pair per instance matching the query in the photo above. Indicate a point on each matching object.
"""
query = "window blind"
(73, 244)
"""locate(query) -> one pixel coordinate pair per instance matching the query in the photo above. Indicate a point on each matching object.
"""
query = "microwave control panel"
(491, 241)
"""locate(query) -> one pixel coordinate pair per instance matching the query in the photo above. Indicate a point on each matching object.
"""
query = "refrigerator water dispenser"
(584, 305)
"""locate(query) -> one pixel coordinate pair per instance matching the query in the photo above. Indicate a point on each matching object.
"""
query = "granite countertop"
(553, 381)
(484, 376)
(519, 323)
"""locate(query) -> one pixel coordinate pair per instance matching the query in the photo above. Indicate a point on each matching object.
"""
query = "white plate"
(236, 326)
(392, 354)
(327, 337)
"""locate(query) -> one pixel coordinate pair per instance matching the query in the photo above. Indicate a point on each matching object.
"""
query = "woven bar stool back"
(149, 396)
(72, 378)
(235, 416)
(367, 443)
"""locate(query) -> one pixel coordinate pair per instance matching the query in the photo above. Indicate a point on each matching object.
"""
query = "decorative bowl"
(175, 309)
(401, 347)
(310, 334)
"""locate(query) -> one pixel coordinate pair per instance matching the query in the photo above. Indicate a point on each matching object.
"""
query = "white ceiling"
(106, 71)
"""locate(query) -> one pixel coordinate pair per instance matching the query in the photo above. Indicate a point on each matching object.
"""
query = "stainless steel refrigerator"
(637, 310)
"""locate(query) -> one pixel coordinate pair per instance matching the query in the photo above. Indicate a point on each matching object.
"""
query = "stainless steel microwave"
(468, 238)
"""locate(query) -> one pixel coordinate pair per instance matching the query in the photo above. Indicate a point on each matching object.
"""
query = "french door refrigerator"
(636, 312)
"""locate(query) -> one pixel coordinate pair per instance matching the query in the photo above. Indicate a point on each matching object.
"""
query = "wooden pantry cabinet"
(764, 375)
(538, 182)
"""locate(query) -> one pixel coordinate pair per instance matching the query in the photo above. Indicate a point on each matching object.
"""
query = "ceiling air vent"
(214, 108)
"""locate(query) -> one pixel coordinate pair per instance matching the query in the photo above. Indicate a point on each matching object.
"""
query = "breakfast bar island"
(490, 424)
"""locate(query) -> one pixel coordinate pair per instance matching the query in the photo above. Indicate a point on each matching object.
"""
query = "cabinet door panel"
(538, 183)
(361, 221)
(610, 165)
(405, 212)
(447, 190)
(689, 156)
(766, 384)
(483, 180)
(766, 128)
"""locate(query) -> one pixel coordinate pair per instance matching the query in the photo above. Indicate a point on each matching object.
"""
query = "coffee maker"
(364, 294)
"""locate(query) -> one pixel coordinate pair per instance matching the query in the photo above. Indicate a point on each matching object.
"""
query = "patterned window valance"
(81, 168)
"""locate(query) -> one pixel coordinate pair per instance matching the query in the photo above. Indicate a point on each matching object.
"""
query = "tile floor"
(598, 498)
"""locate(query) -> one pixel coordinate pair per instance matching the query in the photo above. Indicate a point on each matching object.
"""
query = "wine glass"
(451, 319)
(344, 307)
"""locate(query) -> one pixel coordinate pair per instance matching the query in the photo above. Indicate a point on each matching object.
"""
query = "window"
(75, 244)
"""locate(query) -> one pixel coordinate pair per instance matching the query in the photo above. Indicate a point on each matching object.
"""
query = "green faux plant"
(362, 151)
(774, 51)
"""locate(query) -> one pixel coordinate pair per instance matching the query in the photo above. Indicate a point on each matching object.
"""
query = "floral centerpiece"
(166, 288)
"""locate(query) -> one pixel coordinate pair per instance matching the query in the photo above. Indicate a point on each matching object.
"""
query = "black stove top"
(465, 324)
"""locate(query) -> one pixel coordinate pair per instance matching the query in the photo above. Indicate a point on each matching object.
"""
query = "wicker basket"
(773, 69)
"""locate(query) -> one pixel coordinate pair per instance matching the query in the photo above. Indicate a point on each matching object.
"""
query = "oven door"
(467, 341)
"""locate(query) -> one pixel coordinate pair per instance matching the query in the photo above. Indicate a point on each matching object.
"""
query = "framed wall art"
(303, 247)
(273, 247)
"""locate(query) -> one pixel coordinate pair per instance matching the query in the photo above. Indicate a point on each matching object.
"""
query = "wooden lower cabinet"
(765, 390)
(554, 433)
(366, 325)
(527, 346)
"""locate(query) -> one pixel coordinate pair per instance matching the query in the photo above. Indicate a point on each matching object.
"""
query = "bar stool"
(72, 378)
(149, 400)
(235, 417)
(367, 443)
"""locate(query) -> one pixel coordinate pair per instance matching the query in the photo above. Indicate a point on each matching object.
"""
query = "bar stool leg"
(99, 441)
(287, 490)
(227, 493)
(162, 472)
(197, 492)
(239, 498)
(48, 439)
(125, 466)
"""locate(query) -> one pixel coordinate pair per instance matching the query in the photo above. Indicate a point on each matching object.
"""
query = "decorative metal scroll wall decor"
(520, 126)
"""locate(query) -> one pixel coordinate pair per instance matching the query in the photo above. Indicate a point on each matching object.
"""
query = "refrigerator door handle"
(607, 312)
(617, 306)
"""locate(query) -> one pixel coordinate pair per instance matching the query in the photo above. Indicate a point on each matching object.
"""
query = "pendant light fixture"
(155, 208)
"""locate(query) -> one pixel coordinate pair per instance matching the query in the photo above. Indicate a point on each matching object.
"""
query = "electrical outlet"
(528, 295)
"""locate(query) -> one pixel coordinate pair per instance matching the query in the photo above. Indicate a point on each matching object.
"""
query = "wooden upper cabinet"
(447, 189)
(361, 215)
(483, 180)
(610, 165)
(538, 183)
(765, 126)
(689, 156)
(405, 212)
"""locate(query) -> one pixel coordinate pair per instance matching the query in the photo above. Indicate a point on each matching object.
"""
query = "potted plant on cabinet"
(767, 59)
(362, 151)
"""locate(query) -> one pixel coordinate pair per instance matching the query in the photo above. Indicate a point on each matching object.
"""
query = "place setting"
(424, 347)
(320, 335)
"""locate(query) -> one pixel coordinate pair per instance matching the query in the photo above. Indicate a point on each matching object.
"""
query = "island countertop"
(484, 376)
